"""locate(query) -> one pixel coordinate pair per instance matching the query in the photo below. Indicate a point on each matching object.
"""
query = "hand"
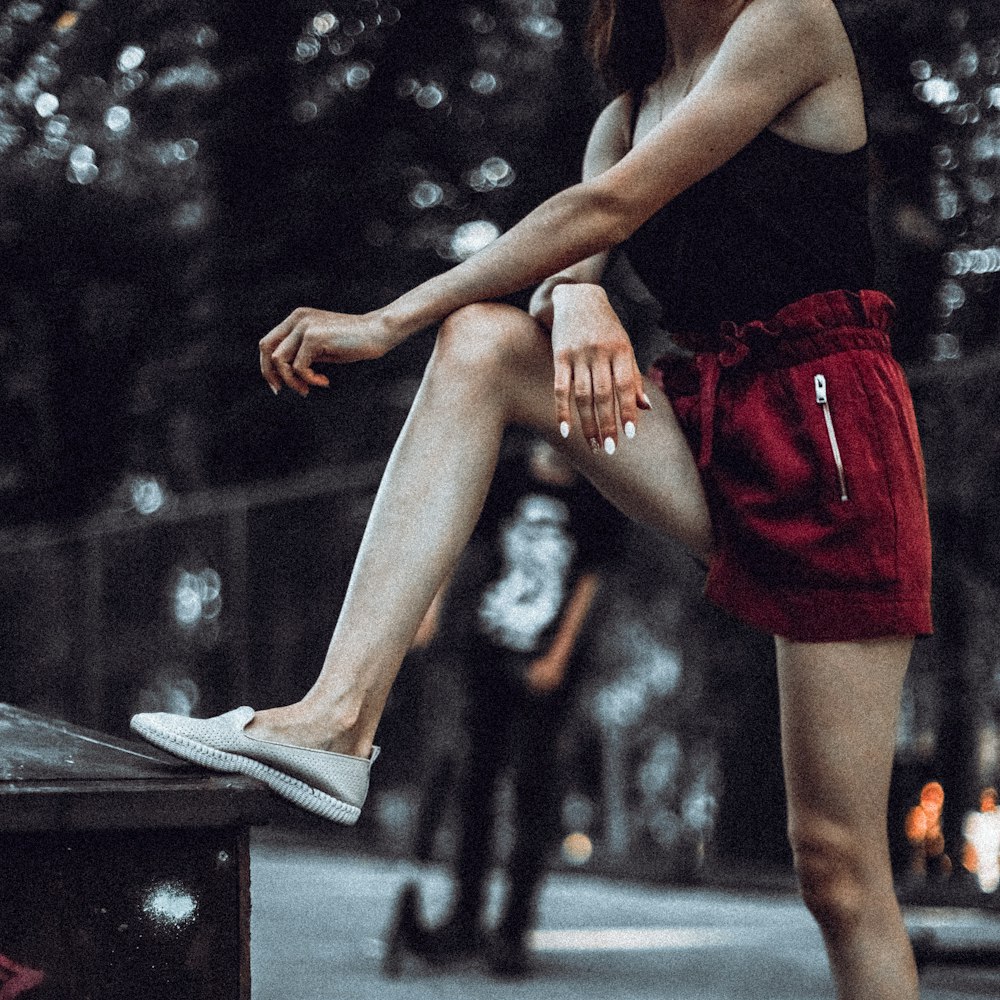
(595, 367)
(308, 336)
(544, 675)
(540, 307)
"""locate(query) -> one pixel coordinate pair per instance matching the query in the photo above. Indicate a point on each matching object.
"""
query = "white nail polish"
(564, 429)
(595, 445)
(274, 389)
(609, 446)
(645, 399)
(629, 429)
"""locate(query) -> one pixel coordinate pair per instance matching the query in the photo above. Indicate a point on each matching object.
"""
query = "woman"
(788, 462)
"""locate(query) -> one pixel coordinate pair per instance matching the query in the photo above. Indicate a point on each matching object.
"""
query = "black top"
(776, 223)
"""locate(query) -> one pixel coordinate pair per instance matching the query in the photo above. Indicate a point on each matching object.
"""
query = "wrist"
(563, 278)
(393, 323)
(574, 293)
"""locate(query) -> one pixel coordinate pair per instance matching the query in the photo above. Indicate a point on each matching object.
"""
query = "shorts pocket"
(853, 507)
(792, 445)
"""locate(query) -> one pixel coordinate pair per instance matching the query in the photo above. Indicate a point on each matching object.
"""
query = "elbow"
(616, 216)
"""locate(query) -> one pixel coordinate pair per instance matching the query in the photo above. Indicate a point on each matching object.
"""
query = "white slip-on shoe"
(332, 785)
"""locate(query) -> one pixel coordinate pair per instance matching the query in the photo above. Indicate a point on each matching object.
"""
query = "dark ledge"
(57, 776)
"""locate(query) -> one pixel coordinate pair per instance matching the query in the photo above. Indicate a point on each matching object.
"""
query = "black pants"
(507, 723)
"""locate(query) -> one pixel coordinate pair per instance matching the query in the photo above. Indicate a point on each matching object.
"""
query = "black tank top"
(776, 223)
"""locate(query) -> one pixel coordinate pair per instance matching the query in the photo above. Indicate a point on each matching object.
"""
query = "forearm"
(585, 272)
(571, 230)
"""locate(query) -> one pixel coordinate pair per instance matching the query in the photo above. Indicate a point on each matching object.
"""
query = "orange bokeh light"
(932, 797)
(916, 825)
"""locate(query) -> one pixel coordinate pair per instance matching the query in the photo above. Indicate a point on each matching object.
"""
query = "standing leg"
(491, 367)
(839, 704)
(443, 707)
(489, 717)
(538, 792)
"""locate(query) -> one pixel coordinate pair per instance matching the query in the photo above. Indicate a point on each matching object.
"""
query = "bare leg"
(839, 703)
(491, 367)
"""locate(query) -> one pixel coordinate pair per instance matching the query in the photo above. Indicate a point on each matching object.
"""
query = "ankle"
(347, 728)
(308, 725)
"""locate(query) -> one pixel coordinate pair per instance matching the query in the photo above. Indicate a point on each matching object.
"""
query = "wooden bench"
(124, 872)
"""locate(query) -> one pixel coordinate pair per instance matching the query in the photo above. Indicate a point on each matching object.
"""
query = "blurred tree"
(108, 205)
(368, 146)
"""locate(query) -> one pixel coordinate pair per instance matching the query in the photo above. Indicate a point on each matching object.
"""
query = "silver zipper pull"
(821, 398)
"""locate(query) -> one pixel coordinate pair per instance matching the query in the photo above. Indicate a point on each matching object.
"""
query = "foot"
(331, 784)
(507, 957)
(402, 929)
(456, 942)
(452, 943)
(297, 725)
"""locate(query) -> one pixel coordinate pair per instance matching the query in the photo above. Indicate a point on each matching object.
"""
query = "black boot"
(507, 954)
(455, 942)
(402, 929)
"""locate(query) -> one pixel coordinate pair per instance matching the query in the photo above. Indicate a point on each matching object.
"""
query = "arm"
(609, 141)
(776, 52)
(547, 672)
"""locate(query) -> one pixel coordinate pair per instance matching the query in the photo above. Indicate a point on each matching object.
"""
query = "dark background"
(177, 176)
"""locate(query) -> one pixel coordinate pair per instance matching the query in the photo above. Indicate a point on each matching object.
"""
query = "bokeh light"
(197, 597)
(471, 237)
(169, 907)
(577, 849)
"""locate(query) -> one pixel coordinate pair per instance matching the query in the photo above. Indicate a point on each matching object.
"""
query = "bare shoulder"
(797, 31)
(792, 17)
(804, 40)
(616, 117)
(610, 138)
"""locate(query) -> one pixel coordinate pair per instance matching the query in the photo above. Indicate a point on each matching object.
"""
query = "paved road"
(318, 920)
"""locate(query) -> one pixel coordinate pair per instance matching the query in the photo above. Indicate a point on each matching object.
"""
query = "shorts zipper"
(821, 399)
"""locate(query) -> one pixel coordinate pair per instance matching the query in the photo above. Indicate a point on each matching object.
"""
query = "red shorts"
(807, 445)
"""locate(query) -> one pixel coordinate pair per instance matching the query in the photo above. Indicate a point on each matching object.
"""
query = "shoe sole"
(295, 791)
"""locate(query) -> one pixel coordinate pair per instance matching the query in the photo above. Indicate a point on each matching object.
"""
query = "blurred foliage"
(179, 174)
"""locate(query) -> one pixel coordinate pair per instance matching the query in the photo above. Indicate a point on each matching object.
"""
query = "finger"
(623, 369)
(267, 346)
(284, 356)
(583, 397)
(641, 399)
(563, 387)
(604, 404)
(303, 362)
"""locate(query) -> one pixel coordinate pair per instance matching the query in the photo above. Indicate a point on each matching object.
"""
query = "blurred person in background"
(508, 629)
(731, 168)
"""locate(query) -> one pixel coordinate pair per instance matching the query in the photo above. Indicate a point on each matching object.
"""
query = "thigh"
(652, 478)
(839, 707)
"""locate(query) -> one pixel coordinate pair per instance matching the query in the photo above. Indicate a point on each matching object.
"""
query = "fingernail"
(629, 429)
(609, 445)
(564, 429)
(274, 389)
(645, 399)
(595, 445)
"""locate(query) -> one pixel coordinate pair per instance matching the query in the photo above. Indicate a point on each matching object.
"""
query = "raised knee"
(483, 335)
(831, 873)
